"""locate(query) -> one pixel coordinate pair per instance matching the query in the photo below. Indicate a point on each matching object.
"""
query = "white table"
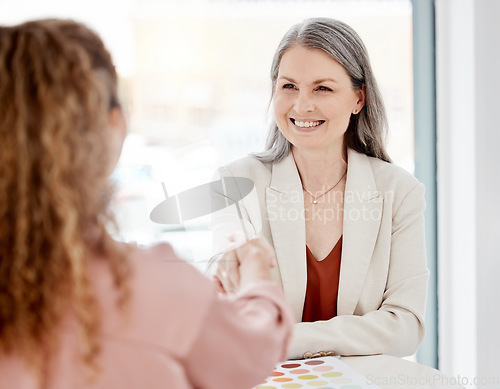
(394, 373)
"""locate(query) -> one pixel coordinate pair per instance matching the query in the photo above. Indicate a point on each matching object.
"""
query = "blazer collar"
(363, 205)
(360, 177)
(285, 208)
(285, 211)
(285, 176)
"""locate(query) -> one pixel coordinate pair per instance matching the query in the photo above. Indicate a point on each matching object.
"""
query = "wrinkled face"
(314, 99)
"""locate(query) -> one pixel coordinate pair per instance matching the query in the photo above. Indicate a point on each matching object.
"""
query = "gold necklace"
(315, 199)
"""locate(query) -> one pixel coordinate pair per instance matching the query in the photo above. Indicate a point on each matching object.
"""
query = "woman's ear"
(361, 94)
(117, 131)
(117, 119)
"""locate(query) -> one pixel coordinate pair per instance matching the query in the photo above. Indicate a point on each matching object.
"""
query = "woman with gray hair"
(346, 224)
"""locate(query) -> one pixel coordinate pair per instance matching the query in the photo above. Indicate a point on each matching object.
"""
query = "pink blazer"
(179, 333)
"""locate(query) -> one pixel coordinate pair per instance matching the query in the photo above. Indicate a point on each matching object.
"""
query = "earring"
(355, 112)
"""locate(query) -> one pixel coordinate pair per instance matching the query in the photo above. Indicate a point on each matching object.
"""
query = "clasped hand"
(248, 263)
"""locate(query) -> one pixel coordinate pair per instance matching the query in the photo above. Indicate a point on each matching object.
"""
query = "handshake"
(244, 264)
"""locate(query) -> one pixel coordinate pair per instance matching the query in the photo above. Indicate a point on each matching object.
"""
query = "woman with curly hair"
(78, 309)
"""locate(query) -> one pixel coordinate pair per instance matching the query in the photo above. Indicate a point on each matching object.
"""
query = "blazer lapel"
(285, 211)
(362, 215)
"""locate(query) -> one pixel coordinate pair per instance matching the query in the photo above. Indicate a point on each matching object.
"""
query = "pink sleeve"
(241, 340)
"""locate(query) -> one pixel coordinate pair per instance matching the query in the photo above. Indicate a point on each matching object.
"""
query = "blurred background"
(194, 78)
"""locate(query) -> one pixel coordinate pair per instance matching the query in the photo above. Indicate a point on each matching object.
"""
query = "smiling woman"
(330, 59)
(346, 224)
(314, 100)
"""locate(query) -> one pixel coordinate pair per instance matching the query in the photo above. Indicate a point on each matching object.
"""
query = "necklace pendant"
(315, 201)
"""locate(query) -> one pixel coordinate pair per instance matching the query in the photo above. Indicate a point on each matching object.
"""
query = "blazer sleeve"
(241, 340)
(397, 326)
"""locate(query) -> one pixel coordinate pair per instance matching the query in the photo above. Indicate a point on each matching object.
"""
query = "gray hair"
(367, 130)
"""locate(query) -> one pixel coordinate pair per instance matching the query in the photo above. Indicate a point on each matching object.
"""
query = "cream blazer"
(383, 275)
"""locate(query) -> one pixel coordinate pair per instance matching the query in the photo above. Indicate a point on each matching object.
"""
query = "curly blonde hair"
(57, 86)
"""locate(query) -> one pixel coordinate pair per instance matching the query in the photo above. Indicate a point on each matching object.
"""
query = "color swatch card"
(319, 373)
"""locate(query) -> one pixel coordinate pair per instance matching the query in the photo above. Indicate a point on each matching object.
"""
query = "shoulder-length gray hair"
(366, 131)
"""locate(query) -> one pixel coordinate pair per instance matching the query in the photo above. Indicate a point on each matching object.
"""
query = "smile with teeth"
(307, 124)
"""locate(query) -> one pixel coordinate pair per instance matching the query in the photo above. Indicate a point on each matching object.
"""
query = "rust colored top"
(322, 285)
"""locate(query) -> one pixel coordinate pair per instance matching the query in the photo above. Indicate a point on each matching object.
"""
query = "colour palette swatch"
(319, 373)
